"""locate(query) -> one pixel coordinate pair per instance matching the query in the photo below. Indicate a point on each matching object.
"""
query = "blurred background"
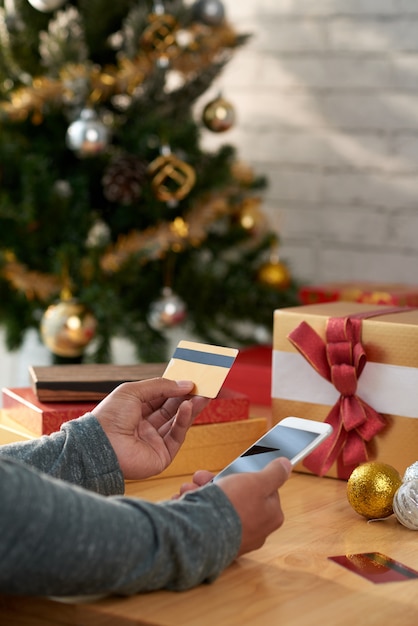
(325, 101)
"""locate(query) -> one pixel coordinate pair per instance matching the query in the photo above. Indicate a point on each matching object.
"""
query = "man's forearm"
(79, 453)
(58, 539)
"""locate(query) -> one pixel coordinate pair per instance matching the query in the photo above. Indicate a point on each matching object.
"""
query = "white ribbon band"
(390, 389)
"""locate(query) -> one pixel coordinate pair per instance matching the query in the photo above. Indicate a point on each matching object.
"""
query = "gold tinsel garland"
(35, 285)
(154, 242)
(204, 47)
(149, 245)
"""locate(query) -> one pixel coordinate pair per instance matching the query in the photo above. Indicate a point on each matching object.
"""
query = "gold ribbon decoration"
(159, 38)
(172, 178)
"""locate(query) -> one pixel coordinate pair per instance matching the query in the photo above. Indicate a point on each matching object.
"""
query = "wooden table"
(290, 581)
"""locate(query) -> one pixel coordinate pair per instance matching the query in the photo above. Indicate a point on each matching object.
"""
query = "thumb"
(158, 388)
(276, 473)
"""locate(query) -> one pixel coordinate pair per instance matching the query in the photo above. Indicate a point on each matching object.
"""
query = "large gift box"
(360, 291)
(213, 446)
(11, 431)
(355, 366)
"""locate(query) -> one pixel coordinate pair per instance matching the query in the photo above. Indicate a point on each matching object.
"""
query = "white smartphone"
(293, 437)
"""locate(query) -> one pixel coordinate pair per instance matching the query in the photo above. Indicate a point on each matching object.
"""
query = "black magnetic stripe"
(393, 565)
(105, 385)
(205, 358)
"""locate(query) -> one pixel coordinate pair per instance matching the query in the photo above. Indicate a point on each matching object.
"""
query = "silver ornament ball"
(167, 312)
(210, 12)
(45, 6)
(405, 504)
(87, 135)
(99, 235)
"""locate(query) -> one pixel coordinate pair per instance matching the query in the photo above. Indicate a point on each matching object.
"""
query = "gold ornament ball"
(251, 218)
(274, 274)
(218, 115)
(67, 328)
(371, 489)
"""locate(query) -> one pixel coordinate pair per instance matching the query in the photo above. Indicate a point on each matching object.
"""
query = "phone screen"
(280, 441)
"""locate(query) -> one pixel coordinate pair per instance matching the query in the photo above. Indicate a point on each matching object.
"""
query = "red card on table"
(376, 567)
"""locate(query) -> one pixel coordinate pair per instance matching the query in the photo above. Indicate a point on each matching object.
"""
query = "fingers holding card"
(206, 365)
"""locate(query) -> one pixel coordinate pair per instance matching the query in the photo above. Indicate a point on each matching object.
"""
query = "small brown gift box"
(386, 380)
(86, 383)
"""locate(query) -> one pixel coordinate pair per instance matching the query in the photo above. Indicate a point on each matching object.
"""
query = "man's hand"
(199, 479)
(255, 498)
(146, 423)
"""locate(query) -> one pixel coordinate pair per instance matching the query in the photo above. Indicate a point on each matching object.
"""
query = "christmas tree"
(114, 221)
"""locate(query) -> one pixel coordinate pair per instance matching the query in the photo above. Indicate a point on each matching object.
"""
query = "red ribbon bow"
(341, 361)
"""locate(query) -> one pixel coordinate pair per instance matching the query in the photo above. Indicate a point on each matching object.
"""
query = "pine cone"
(124, 178)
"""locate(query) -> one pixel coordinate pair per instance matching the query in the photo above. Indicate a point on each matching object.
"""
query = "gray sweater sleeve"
(57, 538)
(79, 453)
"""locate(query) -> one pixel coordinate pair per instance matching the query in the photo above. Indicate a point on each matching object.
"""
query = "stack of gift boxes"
(61, 393)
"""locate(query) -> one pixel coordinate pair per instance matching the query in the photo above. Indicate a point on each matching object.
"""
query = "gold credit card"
(206, 365)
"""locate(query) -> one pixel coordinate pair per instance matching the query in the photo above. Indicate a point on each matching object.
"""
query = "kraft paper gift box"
(360, 291)
(11, 431)
(213, 446)
(370, 353)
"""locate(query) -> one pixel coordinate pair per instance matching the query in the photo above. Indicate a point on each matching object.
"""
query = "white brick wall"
(326, 94)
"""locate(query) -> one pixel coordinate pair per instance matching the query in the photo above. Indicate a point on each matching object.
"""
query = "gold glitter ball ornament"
(371, 489)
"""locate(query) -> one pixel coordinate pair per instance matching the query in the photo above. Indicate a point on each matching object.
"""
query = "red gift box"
(43, 418)
(251, 374)
(361, 291)
(228, 406)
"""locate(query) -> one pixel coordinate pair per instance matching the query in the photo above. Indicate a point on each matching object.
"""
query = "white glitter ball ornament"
(405, 504)
(411, 472)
